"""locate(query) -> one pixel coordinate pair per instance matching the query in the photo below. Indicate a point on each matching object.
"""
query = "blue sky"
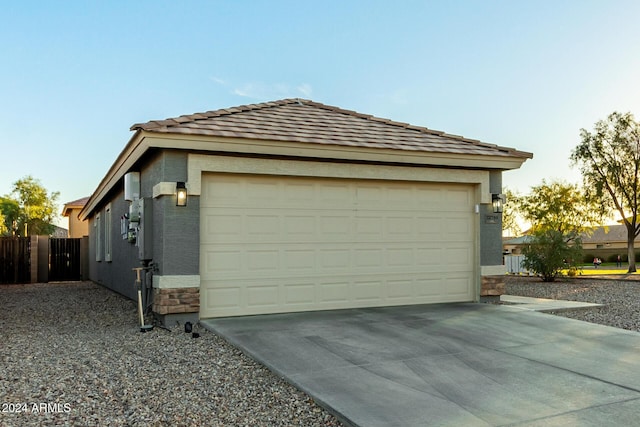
(75, 75)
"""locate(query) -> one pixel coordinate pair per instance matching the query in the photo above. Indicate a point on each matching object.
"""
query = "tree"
(560, 206)
(510, 214)
(30, 208)
(10, 210)
(3, 226)
(609, 160)
(559, 213)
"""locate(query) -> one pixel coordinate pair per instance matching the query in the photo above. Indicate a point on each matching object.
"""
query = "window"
(98, 234)
(107, 233)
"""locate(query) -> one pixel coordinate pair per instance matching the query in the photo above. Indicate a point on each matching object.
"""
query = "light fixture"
(497, 202)
(181, 194)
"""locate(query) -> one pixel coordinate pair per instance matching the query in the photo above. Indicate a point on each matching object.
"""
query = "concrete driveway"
(450, 364)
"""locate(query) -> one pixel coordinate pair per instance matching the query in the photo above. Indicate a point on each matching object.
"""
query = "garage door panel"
(300, 260)
(263, 261)
(335, 225)
(459, 257)
(400, 226)
(222, 299)
(284, 244)
(334, 259)
(217, 261)
(369, 227)
(301, 226)
(457, 285)
(302, 293)
(333, 293)
(369, 291)
(402, 290)
(261, 295)
(366, 258)
(400, 257)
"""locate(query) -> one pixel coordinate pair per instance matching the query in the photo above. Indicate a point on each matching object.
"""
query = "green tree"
(559, 213)
(560, 206)
(609, 160)
(36, 207)
(3, 226)
(10, 210)
(510, 214)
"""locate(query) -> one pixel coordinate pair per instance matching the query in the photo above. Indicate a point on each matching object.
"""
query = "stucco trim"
(299, 149)
(199, 163)
(493, 270)
(141, 141)
(176, 281)
(165, 189)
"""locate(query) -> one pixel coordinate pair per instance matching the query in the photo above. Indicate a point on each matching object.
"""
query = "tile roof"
(80, 203)
(607, 234)
(305, 121)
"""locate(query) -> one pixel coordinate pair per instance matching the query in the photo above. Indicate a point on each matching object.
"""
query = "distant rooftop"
(76, 204)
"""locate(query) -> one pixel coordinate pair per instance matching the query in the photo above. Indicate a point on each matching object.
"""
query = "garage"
(275, 244)
(294, 205)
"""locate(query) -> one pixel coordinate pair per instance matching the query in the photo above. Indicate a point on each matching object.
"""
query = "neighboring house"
(295, 206)
(77, 227)
(605, 242)
(514, 245)
(59, 232)
(608, 242)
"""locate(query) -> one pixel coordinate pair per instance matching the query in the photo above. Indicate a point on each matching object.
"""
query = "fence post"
(43, 259)
(84, 258)
(34, 259)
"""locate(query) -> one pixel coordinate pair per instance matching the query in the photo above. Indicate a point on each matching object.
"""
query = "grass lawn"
(603, 269)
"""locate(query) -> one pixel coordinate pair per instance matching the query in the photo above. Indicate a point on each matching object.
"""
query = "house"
(58, 232)
(607, 243)
(294, 206)
(514, 245)
(77, 228)
(604, 242)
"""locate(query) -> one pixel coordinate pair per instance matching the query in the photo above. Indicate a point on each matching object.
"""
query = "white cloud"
(218, 80)
(305, 89)
(272, 91)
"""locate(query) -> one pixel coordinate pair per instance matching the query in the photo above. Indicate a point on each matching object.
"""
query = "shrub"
(548, 251)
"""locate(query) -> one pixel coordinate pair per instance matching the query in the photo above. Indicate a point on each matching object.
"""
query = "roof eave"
(127, 157)
(142, 140)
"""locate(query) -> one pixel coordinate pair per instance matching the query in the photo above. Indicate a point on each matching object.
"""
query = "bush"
(548, 251)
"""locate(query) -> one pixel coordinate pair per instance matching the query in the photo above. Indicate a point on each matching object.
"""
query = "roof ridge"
(157, 125)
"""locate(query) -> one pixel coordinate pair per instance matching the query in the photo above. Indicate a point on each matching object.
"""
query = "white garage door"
(274, 244)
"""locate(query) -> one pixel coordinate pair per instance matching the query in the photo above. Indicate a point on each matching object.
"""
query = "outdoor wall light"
(497, 201)
(181, 194)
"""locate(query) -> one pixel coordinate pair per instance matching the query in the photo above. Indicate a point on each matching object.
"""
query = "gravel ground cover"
(621, 298)
(71, 354)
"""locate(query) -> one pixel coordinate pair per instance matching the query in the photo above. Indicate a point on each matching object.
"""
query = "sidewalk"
(543, 304)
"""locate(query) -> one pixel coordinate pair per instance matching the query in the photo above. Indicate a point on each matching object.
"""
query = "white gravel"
(72, 354)
(621, 298)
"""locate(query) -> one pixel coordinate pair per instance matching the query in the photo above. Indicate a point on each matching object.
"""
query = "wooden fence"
(15, 261)
(64, 259)
(43, 259)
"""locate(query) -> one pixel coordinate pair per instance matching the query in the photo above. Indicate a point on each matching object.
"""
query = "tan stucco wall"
(77, 228)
